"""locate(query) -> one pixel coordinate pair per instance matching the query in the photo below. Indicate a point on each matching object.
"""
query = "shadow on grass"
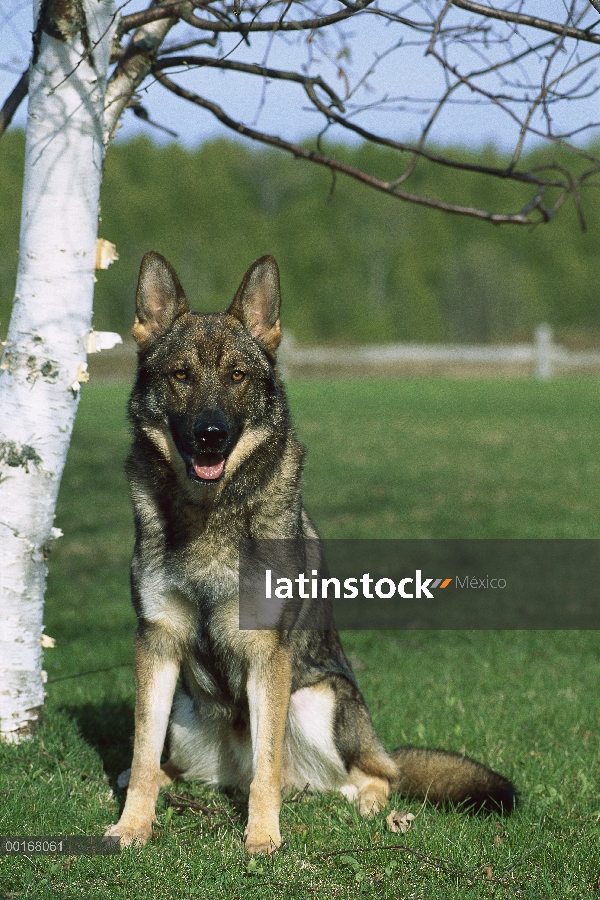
(108, 728)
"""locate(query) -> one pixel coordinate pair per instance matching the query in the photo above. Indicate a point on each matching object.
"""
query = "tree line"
(356, 267)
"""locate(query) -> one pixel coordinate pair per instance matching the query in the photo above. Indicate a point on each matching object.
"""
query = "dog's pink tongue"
(208, 470)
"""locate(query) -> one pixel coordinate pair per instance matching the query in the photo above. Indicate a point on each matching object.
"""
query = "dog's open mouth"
(208, 466)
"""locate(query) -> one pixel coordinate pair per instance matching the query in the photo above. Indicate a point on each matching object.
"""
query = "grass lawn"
(386, 458)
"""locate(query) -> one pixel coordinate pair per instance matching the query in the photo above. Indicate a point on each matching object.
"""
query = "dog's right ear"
(159, 299)
(257, 301)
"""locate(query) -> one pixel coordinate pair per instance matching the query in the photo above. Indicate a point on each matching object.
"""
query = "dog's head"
(210, 379)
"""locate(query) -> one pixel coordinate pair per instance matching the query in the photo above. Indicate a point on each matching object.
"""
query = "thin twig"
(250, 69)
(432, 860)
(91, 672)
(299, 797)
(179, 801)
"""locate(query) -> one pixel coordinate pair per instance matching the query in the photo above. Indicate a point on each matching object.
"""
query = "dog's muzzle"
(211, 439)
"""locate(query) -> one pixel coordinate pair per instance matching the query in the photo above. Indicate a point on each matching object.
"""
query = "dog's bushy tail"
(444, 777)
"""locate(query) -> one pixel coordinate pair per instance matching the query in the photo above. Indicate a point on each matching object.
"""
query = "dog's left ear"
(257, 303)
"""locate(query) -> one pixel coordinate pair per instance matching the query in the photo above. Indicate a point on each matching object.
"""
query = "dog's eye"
(180, 375)
(238, 375)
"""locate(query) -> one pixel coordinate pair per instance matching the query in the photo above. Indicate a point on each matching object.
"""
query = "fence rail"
(541, 359)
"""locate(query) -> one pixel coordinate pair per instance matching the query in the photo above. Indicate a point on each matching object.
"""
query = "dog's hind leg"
(331, 745)
(369, 792)
(168, 774)
(370, 769)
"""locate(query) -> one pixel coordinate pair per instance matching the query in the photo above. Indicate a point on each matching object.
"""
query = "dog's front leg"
(156, 672)
(269, 686)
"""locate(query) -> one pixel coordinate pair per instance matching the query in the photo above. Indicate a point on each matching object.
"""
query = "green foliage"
(357, 266)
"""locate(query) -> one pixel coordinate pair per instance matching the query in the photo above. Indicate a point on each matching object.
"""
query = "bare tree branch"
(184, 11)
(309, 84)
(486, 55)
(167, 62)
(153, 14)
(142, 113)
(13, 101)
(505, 15)
(525, 127)
(131, 70)
(300, 152)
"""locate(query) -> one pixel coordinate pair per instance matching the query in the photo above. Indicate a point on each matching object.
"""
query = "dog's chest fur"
(185, 569)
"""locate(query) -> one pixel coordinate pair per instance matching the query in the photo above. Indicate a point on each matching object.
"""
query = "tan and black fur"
(215, 460)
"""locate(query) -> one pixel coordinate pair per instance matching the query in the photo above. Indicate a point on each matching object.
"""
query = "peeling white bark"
(51, 318)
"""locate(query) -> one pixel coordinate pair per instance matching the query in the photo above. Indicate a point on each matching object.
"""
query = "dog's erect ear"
(159, 299)
(257, 303)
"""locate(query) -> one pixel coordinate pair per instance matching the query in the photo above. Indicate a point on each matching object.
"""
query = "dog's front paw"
(258, 841)
(131, 832)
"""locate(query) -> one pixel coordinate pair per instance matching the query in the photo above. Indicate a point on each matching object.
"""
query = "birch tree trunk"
(44, 358)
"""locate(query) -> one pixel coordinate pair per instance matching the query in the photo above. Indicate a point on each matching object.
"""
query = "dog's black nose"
(211, 434)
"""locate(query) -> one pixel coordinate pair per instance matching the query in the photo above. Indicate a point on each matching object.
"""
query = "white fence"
(541, 359)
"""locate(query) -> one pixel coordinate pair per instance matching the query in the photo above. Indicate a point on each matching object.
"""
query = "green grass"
(385, 459)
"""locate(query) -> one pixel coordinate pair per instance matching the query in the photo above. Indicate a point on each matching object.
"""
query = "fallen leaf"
(488, 873)
(399, 821)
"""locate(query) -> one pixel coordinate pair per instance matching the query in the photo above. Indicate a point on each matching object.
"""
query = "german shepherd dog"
(214, 461)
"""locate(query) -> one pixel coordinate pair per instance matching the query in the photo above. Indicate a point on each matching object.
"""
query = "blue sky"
(281, 108)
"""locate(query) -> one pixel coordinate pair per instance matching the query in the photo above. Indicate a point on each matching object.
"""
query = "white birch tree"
(44, 359)
(522, 65)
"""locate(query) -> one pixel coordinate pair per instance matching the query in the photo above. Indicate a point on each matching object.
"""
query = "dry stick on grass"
(179, 801)
(20, 759)
(299, 797)
(432, 860)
